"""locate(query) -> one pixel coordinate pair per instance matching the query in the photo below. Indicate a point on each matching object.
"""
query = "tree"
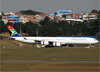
(2, 27)
(9, 24)
(33, 31)
(2, 13)
(98, 16)
(30, 28)
(45, 21)
(30, 12)
(18, 26)
(93, 27)
(0, 17)
(94, 11)
(64, 16)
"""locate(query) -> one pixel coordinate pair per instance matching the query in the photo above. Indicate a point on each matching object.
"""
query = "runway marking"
(49, 60)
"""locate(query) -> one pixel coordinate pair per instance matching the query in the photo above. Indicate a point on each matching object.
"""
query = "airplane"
(53, 41)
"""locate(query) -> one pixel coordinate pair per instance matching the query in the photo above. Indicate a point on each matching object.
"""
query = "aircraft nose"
(97, 41)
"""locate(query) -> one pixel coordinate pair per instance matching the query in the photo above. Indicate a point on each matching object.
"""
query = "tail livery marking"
(12, 31)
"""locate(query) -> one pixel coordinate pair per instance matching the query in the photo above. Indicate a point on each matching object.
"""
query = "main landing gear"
(90, 46)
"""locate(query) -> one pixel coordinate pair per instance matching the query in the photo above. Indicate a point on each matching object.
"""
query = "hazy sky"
(49, 6)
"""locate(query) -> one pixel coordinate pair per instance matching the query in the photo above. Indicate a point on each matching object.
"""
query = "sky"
(49, 6)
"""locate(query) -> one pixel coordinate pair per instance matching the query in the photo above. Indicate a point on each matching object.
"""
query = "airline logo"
(13, 32)
(9, 27)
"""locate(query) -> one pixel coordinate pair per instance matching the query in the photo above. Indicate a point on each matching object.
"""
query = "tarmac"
(49, 60)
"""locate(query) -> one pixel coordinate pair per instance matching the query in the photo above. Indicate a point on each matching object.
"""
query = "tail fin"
(12, 31)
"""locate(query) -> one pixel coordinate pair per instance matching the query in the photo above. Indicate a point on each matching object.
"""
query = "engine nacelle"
(44, 42)
(54, 44)
(57, 44)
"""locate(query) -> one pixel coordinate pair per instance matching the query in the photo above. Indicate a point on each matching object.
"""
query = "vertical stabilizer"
(12, 31)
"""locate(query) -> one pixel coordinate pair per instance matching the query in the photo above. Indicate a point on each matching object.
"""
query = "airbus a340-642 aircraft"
(53, 41)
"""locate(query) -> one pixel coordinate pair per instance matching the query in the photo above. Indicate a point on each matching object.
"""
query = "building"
(23, 19)
(75, 16)
(0, 13)
(11, 13)
(74, 20)
(13, 19)
(85, 16)
(42, 15)
(39, 17)
(51, 17)
(59, 15)
(30, 18)
(93, 16)
(69, 11)
(62, 11)
(5, 21)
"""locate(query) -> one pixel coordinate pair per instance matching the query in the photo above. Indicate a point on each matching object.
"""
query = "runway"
(49, 60)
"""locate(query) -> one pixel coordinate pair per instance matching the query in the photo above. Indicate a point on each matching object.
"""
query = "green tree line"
(61, 28)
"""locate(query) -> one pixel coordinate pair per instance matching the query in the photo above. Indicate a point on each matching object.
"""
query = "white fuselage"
(58, 40)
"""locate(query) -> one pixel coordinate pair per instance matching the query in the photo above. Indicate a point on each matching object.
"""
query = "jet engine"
(57, 44)
(44, 42)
